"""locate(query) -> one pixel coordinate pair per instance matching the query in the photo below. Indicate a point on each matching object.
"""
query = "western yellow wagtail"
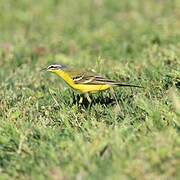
(84, 81)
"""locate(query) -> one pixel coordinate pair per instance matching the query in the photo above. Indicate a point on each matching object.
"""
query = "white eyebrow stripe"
(55, 66)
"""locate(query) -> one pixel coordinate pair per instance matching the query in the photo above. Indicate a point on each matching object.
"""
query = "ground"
(45, 134)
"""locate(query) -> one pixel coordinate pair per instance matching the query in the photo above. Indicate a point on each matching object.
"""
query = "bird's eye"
(51, 67)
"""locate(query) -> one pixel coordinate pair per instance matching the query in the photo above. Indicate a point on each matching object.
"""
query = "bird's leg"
(87, 97)
(74, 99)
(81, 100)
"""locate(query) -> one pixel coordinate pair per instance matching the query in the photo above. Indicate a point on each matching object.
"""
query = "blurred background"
(35, 32)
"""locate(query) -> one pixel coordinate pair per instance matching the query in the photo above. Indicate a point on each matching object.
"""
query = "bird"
(85, 82)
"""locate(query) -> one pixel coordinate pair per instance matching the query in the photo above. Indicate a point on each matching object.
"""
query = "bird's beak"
(43, 69)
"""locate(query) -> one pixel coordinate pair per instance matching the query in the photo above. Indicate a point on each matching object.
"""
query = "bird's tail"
(125, 85)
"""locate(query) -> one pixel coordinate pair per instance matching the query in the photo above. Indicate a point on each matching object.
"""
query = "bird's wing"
(88, 77)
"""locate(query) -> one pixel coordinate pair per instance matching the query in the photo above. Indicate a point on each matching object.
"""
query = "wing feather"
(90, 79)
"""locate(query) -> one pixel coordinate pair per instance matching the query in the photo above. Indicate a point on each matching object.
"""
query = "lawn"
(46, 134)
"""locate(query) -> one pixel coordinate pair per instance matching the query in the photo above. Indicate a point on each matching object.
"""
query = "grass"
(44, 134)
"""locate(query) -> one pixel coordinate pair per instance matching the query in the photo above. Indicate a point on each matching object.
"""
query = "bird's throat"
(65, 77)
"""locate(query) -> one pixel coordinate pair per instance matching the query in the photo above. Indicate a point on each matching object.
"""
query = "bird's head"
(55, 68)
